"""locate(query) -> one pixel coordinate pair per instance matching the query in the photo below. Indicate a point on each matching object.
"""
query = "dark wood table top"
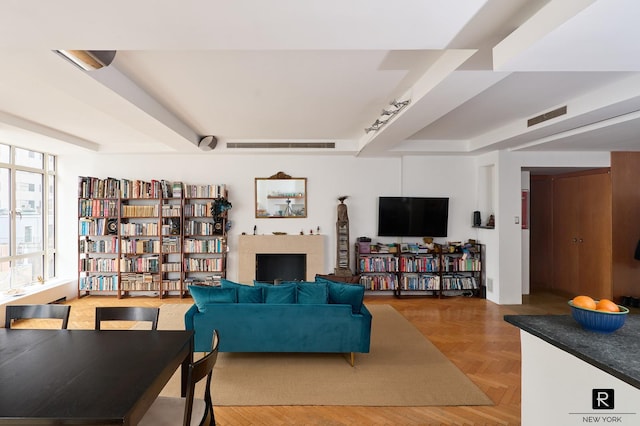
(86, 376)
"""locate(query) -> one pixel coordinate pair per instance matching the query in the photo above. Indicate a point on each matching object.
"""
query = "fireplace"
(250, 246)
(275, 267)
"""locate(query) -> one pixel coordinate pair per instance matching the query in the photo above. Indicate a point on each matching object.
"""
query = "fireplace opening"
(275, 267)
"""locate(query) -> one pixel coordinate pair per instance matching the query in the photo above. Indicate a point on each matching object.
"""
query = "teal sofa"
(320, 316)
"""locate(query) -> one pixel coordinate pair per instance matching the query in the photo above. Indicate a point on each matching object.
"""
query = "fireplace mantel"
(250, 245)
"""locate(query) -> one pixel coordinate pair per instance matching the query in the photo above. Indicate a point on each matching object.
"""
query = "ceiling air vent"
(547, 116)
(289, 145)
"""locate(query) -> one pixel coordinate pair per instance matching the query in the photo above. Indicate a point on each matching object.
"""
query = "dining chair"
(16, 312)
(127, 313)
(168, 411)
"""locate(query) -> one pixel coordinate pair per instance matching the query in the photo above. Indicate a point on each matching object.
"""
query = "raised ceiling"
(265, 71)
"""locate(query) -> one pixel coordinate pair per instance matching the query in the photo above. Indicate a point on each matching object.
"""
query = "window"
(27, 217)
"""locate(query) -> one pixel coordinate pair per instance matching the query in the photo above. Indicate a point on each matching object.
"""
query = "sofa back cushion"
(203, 295)
(342, 293)
(311, 293)
(246, 293)
(279, 294)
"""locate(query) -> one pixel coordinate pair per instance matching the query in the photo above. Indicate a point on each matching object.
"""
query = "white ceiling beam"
(120, 84)
(613, 100)
(39, 130)
(547, 19)
(440, 90)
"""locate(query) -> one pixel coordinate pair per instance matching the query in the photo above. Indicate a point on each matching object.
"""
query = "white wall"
(508, 248)
(452, 177)
(328, 177)
(362, 179)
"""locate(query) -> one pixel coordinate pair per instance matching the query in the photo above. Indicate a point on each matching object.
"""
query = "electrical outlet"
(517, 220)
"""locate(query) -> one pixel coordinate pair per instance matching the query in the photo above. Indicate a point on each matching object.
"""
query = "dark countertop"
(616, 353)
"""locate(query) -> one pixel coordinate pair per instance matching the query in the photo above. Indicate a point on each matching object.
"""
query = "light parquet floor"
(470, 332)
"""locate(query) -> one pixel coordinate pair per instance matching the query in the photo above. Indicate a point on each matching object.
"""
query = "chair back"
(197, 371)
(15, 312)
(127, 313)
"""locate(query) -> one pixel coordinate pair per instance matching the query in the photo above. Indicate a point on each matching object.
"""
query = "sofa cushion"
(203, 295)
(342, 293)
(311, 293)
(351, 279)
(279, 294)
(246, 293)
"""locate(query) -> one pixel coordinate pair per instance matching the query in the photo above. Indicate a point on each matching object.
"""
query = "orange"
(584, 302)
(607, 305)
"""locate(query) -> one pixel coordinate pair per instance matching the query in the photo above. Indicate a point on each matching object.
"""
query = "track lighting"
(389, 113)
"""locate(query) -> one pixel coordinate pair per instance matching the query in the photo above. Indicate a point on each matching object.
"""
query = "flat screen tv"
(413, 216)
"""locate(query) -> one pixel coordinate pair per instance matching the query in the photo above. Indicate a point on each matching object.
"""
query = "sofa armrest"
(188, 317)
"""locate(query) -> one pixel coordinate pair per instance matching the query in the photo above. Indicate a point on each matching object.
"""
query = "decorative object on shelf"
(387, 114)
(342, 239)
(477, 220)
(112, 226)
(280, 196)
(174, 226)
(220, 206)
(491, 223)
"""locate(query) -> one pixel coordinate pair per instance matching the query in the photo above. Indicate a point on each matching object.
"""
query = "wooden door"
(565, 234)
(594, 239)
(541, 259)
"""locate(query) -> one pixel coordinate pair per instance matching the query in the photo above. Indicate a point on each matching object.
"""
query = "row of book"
(97, 265)
(140, 264)
(149, 229)
(463, 263)
(194, 227)
(203, 265)
(140, 282)
(136, 246)
(93, 187)
(205, 191)
(171, 267)
(140, 211)
(419, 264)
(379, 282)
(97, 208)
(215, 245)
(198, 209)
(171, 210)
(170, 245)
(98, 282)
(207, 280)
(104, 246)
(420, 282)
(93, 226)
(459, 283)
(378, 264)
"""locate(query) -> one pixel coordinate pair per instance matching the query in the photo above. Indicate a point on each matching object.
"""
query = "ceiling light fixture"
(207, 143)
(88, 60)
(389, 113)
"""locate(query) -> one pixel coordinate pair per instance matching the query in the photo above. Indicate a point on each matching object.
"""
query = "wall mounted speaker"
(207, 143)
(476, 218)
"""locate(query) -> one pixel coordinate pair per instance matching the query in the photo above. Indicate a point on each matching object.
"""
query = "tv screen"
(413, 216)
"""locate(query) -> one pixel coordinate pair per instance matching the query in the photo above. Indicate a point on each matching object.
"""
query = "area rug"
(402, 369)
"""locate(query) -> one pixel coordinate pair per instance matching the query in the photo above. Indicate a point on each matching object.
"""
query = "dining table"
(87, 377)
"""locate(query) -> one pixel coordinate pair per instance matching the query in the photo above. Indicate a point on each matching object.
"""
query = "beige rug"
(402, 369)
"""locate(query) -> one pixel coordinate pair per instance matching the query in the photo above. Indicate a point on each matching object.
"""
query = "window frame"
(45, 258)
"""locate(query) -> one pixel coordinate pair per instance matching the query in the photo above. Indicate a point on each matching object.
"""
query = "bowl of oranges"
(602, 316)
